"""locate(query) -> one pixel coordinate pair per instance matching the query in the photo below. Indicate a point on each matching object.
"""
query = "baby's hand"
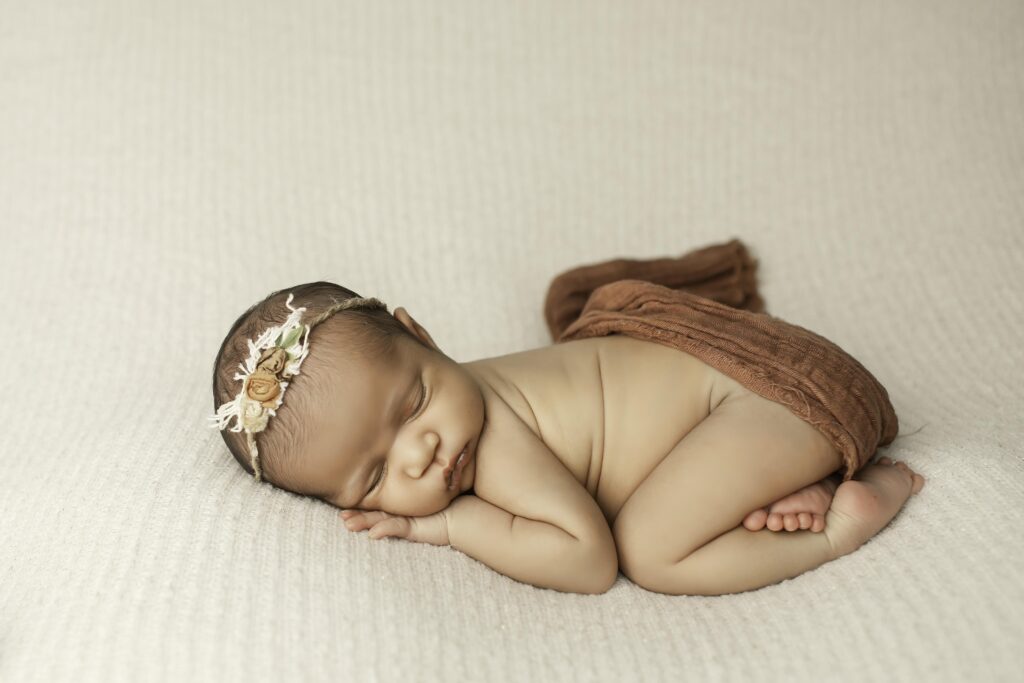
(431, 529)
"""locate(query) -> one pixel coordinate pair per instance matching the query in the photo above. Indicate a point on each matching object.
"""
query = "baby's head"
(376, 415)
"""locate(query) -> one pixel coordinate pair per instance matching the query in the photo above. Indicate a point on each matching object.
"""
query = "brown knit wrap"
(719, 319)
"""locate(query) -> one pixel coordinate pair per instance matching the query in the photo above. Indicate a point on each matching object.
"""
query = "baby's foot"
(804, 509)
(864, 505)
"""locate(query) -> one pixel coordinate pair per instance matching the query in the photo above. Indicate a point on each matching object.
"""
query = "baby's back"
(609, 408)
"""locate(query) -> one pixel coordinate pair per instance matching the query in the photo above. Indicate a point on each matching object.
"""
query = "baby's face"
(386, 436)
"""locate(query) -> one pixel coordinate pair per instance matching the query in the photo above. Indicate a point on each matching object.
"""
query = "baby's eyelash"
(423, 397)
(383, 470)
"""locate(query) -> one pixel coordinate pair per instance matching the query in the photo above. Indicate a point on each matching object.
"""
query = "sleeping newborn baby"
(558, 466)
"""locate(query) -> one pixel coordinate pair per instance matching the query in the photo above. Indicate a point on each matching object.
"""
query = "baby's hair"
(364, 330)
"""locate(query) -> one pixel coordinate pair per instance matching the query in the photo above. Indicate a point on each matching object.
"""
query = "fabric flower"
(263, 387)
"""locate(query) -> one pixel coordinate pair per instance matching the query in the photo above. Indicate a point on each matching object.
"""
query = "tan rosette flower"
(272, 360)
(263, 388)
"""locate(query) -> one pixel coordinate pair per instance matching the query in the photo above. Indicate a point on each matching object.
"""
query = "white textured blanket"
(164, 165)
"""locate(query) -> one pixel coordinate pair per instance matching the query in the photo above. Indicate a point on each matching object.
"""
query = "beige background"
(164, 165)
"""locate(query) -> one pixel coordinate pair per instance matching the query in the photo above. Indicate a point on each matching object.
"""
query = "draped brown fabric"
(706, 303)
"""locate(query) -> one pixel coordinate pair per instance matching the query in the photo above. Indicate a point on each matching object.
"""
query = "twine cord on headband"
(274, 358)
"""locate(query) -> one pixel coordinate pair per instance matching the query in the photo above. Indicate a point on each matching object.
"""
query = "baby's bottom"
(680, 532)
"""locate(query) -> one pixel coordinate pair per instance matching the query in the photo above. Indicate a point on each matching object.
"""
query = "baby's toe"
(805, 520)
(755, 520)
(818, 524)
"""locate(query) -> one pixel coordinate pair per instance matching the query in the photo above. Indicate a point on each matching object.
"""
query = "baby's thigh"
(747, 453)
(778, 432)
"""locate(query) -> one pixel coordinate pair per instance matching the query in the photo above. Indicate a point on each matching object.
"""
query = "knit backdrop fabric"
(163, 166)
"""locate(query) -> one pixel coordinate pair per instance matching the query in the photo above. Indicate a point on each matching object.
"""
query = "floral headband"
(274, 358)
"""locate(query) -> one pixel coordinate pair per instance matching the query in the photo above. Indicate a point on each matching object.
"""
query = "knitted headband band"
(274, 358)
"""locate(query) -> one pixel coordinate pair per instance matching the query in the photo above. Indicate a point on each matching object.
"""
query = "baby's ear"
(403, 316)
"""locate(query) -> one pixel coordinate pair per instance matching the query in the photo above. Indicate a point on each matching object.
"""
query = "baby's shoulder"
(570, 362)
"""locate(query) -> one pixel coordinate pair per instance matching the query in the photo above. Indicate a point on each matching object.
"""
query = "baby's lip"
(451, 466)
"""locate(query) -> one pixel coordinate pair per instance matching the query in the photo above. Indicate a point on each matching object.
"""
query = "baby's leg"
(680, 532)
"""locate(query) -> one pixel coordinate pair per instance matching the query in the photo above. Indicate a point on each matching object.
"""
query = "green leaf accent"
(292, 337)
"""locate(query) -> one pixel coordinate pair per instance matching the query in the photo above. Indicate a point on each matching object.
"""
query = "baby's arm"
(531, 519)
(535, 552)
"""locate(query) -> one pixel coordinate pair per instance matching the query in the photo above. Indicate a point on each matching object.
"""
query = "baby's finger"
(375, 516)
(392, 526)
(360, 520)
